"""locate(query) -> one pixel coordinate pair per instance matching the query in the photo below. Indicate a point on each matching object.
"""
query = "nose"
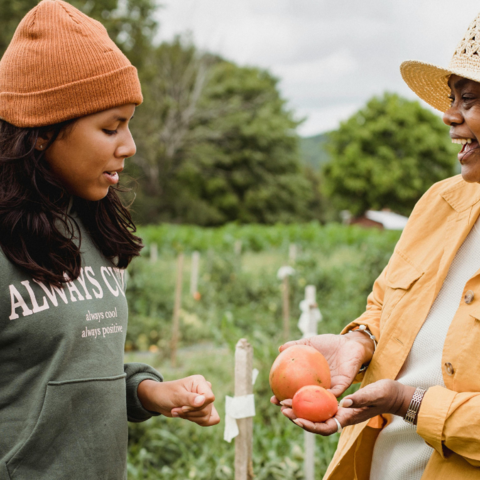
(452, 116)
(127, 148)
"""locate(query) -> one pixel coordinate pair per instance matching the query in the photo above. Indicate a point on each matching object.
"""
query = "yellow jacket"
(449, 418)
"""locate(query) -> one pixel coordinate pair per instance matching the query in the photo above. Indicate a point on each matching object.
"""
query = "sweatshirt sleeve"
(448, 420)
(136, 373)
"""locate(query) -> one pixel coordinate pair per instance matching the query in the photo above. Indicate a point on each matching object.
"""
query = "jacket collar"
(461, 195)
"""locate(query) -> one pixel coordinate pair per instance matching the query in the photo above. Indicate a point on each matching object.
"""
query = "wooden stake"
(153, 253)
(194, 273)
(309, 461)
(176, 311)
(286, 308)
(292, 253)
(238, 247)
(243, 386)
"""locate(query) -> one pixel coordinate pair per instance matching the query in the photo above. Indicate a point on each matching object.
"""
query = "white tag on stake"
(255, 373)
(236, 408)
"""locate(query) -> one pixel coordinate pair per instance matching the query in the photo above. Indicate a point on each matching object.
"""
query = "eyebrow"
(460, 83)
(121, 119)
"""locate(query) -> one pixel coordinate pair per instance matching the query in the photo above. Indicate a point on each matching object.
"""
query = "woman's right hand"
(345, 355)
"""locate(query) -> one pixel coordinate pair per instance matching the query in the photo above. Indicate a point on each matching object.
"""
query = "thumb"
(362, 398)
(195, 400)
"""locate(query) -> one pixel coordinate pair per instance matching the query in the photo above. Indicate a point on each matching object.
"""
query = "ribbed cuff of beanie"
(95, 94)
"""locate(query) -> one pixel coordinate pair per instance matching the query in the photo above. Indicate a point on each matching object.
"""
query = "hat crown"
(469, 46)
(55, 37)
(62, 64)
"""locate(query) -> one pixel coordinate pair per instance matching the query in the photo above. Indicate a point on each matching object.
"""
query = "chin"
(470, 176)
(93, 196)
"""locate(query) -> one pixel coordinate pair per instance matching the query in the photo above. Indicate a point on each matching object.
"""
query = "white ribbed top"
(400, 453)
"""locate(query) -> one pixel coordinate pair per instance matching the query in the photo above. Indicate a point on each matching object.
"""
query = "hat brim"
(430, 82)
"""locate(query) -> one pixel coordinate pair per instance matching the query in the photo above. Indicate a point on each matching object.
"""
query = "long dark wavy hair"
(36, 232)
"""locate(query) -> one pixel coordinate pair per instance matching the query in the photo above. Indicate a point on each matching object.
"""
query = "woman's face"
(463, 117)
(89, 157)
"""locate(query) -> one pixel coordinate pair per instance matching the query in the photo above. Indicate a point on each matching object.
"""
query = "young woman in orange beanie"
(67, 95)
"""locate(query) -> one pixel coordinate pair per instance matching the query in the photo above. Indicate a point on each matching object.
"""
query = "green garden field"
(240, 298)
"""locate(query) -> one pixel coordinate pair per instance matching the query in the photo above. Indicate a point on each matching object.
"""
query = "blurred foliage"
(387, 155)
(216, 143)
(241, 298)
(259, 238)
(130, 23)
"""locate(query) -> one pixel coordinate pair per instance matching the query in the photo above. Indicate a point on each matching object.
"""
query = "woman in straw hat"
(417, 415)
(67, 94)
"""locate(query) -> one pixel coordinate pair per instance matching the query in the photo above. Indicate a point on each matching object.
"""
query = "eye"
(110, 132)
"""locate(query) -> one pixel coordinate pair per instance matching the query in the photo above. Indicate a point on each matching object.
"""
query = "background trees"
(387, 155)
(216, 142)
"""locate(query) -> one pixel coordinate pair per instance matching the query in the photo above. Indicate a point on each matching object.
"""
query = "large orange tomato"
(297, 367)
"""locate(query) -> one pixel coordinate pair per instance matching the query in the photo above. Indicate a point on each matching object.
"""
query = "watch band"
(414, 406)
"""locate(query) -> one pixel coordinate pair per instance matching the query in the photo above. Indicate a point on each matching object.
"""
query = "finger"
(364, 397)
(326, 428)
(288, 412)
(195, 414)
(200, 393)
(208, 418)
(274, 400)
(303, 341)
(339, 388)
(286, 403)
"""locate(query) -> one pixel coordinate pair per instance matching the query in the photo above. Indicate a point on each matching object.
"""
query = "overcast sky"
(330, 55)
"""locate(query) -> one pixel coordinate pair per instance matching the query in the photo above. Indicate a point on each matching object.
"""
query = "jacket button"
(449, 368)
(468, 297)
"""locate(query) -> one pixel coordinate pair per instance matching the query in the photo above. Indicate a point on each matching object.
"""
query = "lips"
(467, 150)
(112, 177)
(469, 145)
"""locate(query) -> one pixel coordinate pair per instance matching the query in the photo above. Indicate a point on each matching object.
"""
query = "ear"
(42, 141)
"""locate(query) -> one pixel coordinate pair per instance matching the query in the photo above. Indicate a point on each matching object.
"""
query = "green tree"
(216, 143)
(387, 155)
(130, 23)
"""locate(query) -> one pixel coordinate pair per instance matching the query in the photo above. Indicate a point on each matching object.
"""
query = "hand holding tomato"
(384, 396)
(345, 355)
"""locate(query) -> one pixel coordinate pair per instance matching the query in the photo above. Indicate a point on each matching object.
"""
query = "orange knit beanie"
(61, 64)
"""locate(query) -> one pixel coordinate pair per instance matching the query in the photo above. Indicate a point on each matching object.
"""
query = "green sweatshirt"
(65, 393)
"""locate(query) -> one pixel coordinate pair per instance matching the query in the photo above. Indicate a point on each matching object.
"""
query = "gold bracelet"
(414, 406)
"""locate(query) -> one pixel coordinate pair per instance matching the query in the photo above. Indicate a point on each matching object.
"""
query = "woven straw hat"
(61, 64)
(430, 82)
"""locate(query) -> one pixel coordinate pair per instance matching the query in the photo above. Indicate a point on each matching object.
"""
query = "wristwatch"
(364, 329)
(414, 406)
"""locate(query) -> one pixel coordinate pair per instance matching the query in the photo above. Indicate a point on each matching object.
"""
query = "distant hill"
(312, 150)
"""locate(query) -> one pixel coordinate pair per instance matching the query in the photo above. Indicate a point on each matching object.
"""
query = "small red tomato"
(314, 403)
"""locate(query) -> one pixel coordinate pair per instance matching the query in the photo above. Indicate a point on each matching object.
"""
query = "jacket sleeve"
(448, 420)
(372, 314)
(136, 373)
